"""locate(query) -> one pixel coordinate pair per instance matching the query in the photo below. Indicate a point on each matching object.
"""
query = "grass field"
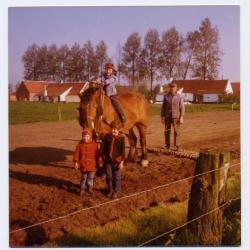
(28, 112)
(140, 226)
(199, 108)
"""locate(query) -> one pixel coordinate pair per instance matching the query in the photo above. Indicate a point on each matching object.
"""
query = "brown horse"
(96, 111)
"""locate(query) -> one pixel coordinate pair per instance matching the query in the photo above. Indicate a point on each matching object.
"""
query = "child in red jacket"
(85, 158)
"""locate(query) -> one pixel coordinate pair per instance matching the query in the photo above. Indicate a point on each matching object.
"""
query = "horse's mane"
(88, 94)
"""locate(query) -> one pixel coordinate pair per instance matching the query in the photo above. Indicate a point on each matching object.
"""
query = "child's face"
(109, 71)
(115, 131)
(86, 138)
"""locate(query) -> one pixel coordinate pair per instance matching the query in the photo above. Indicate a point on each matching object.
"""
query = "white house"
(205, 91)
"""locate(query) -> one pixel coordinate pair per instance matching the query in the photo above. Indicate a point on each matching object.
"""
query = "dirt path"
(44, 185)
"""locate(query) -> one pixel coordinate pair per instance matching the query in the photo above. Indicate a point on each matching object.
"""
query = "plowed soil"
(44, 185)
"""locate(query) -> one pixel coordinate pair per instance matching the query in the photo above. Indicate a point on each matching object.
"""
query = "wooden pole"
(59, 112)
(207, 194)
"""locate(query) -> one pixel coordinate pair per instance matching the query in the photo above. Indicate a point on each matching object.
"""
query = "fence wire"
(118, 199)
(188, 222)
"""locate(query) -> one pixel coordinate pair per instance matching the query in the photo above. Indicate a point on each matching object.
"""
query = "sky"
(67, 25)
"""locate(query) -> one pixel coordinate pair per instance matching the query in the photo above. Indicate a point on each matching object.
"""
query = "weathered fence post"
(59, 112)
(207, 194)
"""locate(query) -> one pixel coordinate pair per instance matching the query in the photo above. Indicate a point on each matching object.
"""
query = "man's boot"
(167, 139)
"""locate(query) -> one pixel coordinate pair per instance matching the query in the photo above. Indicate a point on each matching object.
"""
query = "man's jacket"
(173, 106)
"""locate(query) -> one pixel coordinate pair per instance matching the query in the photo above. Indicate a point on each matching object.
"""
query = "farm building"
(206, 91)
(12, 98)
(29, 90)
(236, 88)
(202, 91)
(49, 91)
(73, 96)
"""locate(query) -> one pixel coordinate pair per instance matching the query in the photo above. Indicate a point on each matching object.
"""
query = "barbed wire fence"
(188, 222)
(120, 199)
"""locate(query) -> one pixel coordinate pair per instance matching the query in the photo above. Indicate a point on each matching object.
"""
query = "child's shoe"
(90, 190)
(110, 193)
(81, 193)
(114, 195)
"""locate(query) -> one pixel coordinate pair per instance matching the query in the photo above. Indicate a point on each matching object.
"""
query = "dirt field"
(44, 184)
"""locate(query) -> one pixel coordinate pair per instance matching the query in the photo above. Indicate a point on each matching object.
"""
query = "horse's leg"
(142, 132)
(132, 143)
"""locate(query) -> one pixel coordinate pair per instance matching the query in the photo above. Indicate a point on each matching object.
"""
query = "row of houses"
(49, 91)
(204, 91)
(207, 91)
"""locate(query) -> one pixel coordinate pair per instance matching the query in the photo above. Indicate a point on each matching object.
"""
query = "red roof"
(236, 87)
(53, 88)
(76, 88)
(35, 87)
(56, 89)
(202, 86)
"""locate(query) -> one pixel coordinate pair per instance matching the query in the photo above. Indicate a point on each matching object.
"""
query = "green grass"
(137, 228)
(141, 226)
(156, 108)
(28, 112)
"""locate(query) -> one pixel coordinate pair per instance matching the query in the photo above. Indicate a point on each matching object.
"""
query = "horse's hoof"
(144, 162)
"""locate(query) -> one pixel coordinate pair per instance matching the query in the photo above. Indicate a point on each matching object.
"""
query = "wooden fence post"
(207, 194)
(59, 112)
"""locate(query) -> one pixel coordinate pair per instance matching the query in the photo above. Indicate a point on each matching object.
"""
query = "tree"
(207, 52)
(156, 91)
(149, 59)
(10, 89)
(90, 63)
(75, 63)
(186, 65)
(53, 63)
(30, 60)
(101, 56)
(120, 67)
(171, 45)
(42, 63)
(130, 56)
(63, 62)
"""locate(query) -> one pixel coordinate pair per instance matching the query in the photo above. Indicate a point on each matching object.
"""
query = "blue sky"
(67, 25)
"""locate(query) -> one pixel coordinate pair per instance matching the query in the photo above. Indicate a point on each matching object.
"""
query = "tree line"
(173, 55)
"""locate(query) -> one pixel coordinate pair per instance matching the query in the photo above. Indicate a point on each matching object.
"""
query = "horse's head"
(90, 107)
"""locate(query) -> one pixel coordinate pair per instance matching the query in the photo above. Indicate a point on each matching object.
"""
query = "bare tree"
(75, 63)
(207, 52)
(130, 56)
(63, 62)
(150, 56)
(171, 46)
(42, 63)
(30, 60)
(185, 66)
(90, 62)
(53, 63)
(119, 63)
(101, 56)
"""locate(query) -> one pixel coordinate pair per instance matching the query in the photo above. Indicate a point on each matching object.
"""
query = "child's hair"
(87, 131)
(116, 124)
(110, 66)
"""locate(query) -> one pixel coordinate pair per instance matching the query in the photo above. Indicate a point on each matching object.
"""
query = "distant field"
(29, 112)
(199, 108)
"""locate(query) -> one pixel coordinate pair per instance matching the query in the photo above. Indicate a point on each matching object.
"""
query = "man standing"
(172, 112)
